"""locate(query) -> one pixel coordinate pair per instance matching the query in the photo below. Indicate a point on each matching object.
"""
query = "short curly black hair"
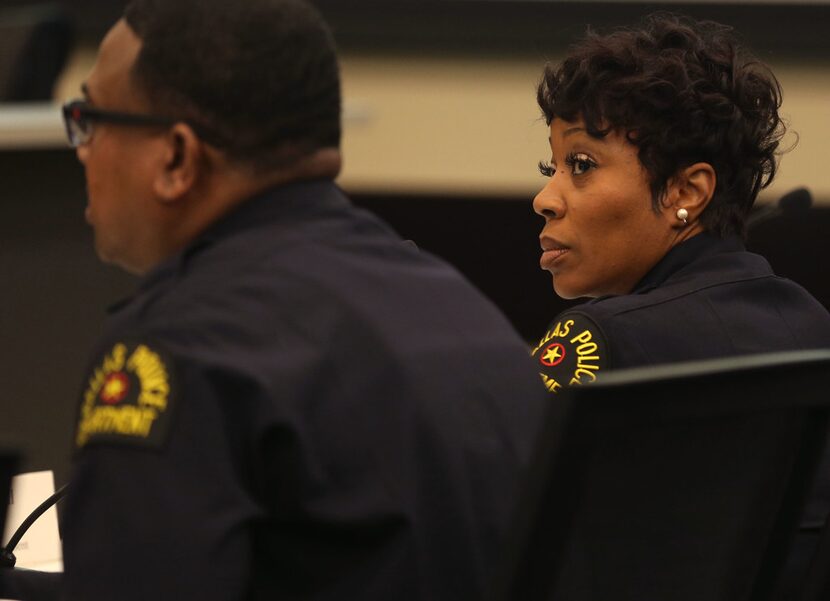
(682, 91)
(258, 78)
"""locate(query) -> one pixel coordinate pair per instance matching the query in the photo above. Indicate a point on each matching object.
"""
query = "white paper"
(40, 547)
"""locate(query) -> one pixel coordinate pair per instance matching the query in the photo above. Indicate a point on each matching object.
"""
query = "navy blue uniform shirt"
(707, 298)
(299, 406)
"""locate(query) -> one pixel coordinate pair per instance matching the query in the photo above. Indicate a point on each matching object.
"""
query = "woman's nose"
(548, 202)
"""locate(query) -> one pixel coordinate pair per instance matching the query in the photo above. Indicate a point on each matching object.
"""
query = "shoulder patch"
(571, 353)
(128, 398)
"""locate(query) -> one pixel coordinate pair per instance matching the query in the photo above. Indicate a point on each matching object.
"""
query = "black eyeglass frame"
(77, 110)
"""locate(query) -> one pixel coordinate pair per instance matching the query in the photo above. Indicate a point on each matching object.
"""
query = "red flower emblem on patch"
(115, 388)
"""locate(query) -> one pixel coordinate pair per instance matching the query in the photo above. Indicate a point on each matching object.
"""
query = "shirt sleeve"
(157, 507)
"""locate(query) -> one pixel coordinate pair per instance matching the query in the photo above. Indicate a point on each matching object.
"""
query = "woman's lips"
(551, 257)
(552, 252)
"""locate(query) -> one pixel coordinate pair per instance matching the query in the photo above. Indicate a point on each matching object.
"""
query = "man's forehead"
(116, 56)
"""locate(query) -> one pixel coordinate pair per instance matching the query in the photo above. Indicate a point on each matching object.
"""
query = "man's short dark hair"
(683, 92)
(260, 75)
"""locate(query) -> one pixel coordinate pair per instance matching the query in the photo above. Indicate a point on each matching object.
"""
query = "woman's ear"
(691, 189)
(181, 164)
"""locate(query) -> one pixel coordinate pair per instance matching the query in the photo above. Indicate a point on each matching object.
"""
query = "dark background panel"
(775, 29)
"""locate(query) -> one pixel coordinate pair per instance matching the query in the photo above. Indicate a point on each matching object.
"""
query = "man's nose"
(82, 152)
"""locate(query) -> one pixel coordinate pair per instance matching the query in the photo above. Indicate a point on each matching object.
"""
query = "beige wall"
(466, 126)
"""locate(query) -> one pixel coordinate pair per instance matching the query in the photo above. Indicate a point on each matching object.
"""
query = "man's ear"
(182, 162)
(691, 189)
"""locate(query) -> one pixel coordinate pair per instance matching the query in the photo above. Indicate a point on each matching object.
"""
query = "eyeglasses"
(80, 118)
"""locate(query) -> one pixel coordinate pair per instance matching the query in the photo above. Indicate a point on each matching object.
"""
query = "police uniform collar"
(286, 203)
(701, 245)
(161, 272)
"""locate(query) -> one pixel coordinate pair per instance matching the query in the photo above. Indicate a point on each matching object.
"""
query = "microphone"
(7, 558)
(794, 201)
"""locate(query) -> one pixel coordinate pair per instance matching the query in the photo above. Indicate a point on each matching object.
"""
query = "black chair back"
(671, 483)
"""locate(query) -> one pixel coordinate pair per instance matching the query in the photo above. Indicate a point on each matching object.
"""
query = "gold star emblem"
(552, 354)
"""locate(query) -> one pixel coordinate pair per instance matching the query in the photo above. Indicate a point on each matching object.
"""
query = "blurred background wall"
(442, 136)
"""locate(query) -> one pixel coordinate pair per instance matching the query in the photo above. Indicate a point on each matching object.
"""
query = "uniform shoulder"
(603, 309)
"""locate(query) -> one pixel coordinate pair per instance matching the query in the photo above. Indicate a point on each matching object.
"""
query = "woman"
(661, 138)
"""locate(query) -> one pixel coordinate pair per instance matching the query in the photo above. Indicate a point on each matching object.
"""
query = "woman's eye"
(580, 163)
(546, 169)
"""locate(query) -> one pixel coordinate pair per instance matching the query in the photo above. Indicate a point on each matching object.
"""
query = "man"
(295, 404)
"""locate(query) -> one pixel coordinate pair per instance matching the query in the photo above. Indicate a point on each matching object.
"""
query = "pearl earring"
(683, 215)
